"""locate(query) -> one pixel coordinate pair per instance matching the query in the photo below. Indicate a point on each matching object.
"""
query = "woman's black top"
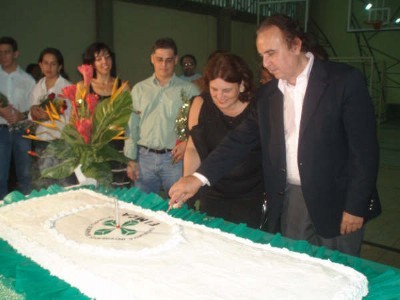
(237, 196)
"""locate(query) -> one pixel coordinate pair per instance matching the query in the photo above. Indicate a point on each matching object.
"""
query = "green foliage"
(110, 118)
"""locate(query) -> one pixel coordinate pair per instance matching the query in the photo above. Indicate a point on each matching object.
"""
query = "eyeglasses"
(188, 64)
(168, 60)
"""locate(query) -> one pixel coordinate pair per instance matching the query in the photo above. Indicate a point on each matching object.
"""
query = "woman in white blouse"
(51, 63)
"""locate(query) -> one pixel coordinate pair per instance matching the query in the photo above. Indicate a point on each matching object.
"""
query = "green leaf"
(110, 223)
(109, 115)
(62, 170)
(103, 231)
(71, 135)
(99, 171)
(130, 223)
(126, 231)
(108, 153)
(58, 148)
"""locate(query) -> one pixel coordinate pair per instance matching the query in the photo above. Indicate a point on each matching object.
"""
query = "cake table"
(25, 277)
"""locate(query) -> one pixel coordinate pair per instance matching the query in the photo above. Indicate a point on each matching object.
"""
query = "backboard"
(373, 15)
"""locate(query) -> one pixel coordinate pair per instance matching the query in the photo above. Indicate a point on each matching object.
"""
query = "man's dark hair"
(289, 27)
(188, 56)
(9, 41)
(165, 43)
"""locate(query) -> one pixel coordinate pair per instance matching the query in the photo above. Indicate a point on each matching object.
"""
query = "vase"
(82, 179)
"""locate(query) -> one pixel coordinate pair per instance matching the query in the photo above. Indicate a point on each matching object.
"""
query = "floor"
(382, 237)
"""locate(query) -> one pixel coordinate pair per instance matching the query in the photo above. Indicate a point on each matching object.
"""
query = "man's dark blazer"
(337, 149)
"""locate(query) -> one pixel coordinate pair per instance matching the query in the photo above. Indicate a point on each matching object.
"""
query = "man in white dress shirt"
(16, 86)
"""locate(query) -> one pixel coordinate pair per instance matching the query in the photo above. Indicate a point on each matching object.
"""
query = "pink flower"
(87, 73)
(69, 92)
(84, 127)
(91, 100)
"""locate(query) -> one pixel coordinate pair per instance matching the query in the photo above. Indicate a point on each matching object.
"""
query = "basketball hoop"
(376, 24)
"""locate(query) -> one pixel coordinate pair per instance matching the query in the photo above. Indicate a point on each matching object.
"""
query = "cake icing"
(157, 256)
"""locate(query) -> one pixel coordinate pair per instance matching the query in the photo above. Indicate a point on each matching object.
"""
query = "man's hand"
(132, 170)
(178, 152)
(350, 223)
(38, 113)
(11, 114)
(7, 113)
(183, 189)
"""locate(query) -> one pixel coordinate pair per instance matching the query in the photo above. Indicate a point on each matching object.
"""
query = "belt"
(162, 151)
(3, 126)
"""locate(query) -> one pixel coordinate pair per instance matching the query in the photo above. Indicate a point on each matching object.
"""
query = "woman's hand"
(178, 152)
(38, 113)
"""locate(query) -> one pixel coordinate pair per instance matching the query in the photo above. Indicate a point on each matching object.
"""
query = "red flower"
(84, 127)
(87, 73)
(51, 96)
(69, 92)
(91, 100)
(33, 153)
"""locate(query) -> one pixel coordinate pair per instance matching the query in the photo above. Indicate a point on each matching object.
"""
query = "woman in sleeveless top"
(100, 56)
(238, 196)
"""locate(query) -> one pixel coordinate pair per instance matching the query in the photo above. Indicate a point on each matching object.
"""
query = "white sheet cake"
(152, 255)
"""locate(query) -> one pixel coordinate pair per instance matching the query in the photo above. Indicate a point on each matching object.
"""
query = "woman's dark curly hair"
(89, 56)
(230, 68)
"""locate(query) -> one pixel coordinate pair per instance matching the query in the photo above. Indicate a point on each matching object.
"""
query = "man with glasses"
(188, 64)
(152, 145)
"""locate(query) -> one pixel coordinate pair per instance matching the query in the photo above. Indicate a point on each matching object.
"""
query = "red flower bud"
(51, 96)
(33, 153)
(84, 127)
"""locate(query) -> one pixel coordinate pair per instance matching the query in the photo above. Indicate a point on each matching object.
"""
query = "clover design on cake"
(111, 225)
(94, 228)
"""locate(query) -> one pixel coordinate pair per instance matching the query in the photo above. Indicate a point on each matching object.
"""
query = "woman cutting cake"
(228, 98)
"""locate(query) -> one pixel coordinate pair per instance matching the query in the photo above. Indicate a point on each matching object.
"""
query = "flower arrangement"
(92, 125)
(53, 105)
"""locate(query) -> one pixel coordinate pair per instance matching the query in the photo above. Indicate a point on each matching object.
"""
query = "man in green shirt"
(152, 144)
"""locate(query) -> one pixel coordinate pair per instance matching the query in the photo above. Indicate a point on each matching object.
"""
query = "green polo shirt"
(152, 124)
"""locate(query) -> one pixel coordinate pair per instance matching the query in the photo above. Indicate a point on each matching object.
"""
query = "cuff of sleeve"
(202, 178)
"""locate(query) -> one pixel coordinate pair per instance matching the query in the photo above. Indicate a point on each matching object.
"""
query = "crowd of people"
(298, 155)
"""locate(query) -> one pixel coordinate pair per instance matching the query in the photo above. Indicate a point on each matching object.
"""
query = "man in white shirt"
(317, 130)
(16, 85)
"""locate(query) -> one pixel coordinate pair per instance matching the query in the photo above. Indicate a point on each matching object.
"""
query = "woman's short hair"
(230, 68)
